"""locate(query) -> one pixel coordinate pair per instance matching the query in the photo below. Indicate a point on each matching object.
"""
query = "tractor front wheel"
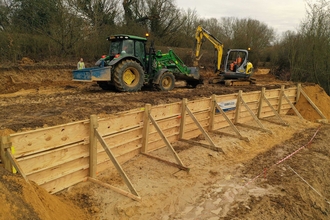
(166, 82)
(128, 76)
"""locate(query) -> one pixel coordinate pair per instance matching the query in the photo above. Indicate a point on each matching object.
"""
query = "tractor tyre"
(166, 82)
(128, 76)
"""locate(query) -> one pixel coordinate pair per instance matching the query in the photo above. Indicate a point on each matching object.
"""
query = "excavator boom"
(218, 46)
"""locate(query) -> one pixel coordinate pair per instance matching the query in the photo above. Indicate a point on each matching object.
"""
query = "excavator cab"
(237, 65)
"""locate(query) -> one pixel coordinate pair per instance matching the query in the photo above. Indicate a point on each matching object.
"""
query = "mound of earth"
(21, 200)
(319, 97)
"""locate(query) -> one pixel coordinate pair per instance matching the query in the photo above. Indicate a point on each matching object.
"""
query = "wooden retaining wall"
(58, 157)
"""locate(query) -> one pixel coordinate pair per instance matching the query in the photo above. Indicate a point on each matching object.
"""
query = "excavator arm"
(218, 46)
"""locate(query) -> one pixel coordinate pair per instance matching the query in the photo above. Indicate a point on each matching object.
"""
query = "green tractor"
(128, 67)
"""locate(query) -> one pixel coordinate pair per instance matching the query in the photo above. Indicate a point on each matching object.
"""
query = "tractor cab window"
(139, 49)
(114, 48)
(128, 47)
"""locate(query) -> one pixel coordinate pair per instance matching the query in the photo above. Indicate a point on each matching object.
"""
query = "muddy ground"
(243, 183)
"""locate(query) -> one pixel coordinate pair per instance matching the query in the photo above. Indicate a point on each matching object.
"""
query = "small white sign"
(227, 105)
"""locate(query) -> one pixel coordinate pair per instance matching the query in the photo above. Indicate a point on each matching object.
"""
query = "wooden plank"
(121, 138)
(116, 189)
(145, 132)
(159, 143)
(116, 164)
(59, 171)
(125, 157)
(39, 140)
(166, 124)
(49, 159)
(124, 148)
(223, 98)
(66, 181)
(251, 96)
(92, 146)
(167, 132)
(199, 105)
(120, 123)
(164, 111)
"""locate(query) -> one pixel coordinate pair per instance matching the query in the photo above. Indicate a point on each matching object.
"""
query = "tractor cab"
(122, 46)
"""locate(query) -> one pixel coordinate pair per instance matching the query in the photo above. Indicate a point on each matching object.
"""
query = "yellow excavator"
(237, 70)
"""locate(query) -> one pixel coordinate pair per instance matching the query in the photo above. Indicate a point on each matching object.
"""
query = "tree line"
(64, 30)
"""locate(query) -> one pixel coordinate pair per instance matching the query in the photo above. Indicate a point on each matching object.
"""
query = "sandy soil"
(243, 183)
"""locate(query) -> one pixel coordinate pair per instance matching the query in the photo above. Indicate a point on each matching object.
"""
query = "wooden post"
(238, 106)
(212, 112)
(145, 132)
(5, 145)
(298, 92)
(262, 95)
(280, 99)
(93, 147)
(183, 118)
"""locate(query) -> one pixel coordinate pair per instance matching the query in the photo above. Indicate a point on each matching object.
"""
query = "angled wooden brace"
(282, 95)
(14, 162)
(263, 98)
(241, 101)
(185, 109)
(133, 195)
(144, 150)
(312, 104)
(94, 136)
(231, 124)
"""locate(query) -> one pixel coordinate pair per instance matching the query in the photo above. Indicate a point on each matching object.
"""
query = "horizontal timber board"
(107, 164)
(164, 111)
(46, 139)
(120, 123)
(59, 171)
(66, 181)
(53, 158)
(199, 105)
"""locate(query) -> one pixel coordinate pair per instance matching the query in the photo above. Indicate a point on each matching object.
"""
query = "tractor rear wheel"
(128, 76)
(166, 82)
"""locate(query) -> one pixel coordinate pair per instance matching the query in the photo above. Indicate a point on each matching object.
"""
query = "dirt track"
(218, 186)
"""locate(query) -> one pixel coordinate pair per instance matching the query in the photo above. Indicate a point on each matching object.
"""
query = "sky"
(281, 15)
